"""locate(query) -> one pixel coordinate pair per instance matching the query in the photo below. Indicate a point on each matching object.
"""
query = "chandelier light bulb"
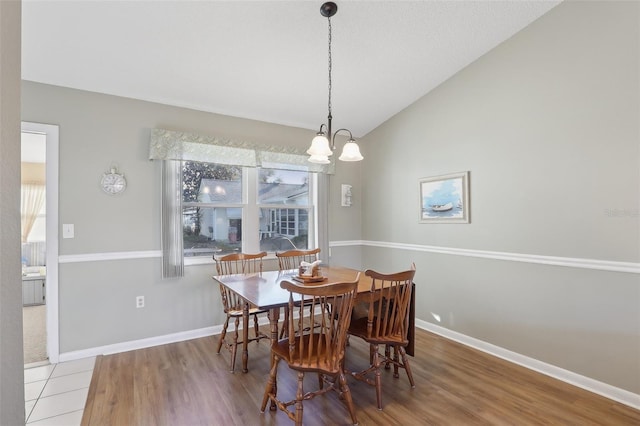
(351, 152)
(319, 159)
(320, 146)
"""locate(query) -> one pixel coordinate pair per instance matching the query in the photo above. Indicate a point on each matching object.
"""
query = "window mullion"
(251, 212)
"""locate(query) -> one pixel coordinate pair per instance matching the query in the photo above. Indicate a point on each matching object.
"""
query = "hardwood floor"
(187, 383)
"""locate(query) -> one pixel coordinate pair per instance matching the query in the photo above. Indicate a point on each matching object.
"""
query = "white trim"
(140, 344)
(160, 340)
(118, 255)
(52, 143)
(620, 395)
(602, 265)
(130, 255)
(153, 341)
(198, 260)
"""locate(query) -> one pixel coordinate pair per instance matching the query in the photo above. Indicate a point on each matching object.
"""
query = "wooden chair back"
(239, 263)
(236, 263)
(389, 302)
(330, 307)
(291, 259)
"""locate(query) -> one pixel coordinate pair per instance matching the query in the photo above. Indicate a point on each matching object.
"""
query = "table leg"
(245, 338)
(274, 316)
(412, 322)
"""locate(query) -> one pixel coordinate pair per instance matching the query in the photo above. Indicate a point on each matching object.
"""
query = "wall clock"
(113, 182)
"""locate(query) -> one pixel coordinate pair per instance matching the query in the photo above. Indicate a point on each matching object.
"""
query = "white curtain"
(323, 216)
(32, 199)
(171, 219)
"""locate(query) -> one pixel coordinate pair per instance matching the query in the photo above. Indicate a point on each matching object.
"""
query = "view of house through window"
(284, 202)
(211, 208)
(214, 206)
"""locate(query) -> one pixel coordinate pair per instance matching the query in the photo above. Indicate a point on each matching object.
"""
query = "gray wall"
(96, 304)
(548, 126)
(11, 356)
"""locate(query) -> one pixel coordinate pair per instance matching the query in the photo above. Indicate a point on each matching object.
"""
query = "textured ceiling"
(266, 60)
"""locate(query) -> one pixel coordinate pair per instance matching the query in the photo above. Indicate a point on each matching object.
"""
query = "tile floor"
(55, 394)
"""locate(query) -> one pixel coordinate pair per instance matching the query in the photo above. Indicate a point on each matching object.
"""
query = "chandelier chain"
(330, 64)
(323, 145)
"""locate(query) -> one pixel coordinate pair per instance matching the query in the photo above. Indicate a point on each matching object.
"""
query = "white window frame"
(251, 215)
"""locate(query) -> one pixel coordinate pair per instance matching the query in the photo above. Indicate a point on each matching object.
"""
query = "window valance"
(173, 145)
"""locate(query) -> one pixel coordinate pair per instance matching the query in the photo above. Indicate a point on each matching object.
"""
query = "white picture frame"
(445, 198)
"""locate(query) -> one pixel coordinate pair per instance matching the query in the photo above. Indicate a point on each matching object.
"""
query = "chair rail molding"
(118, 255)
(571, 262)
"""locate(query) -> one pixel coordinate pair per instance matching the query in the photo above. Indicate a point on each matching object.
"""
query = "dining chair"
(386, 324)
(320, 351)
(237, 263)
(291, 259)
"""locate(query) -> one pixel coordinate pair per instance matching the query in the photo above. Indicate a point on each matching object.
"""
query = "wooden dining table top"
(264, 292)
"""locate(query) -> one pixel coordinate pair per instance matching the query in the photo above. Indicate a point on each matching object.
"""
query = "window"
(284, 228)
(212, 205)
(227, 209)
(174, 148)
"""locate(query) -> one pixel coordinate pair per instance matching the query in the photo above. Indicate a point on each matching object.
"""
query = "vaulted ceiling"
(266, 60)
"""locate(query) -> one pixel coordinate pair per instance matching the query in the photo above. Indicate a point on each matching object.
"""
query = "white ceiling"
(266, 60)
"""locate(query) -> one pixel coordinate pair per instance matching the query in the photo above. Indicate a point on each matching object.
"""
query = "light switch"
(346, 195)
(67, 230)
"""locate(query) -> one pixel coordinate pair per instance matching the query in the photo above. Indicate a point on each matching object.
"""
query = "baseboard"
(140, 344)
(151, 341)
(620, 395)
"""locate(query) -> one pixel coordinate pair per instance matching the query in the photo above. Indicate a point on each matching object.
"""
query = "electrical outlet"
(140, 302)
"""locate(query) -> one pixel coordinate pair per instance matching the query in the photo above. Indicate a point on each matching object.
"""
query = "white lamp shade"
(351, 152)
(319, 159)
(320, 147)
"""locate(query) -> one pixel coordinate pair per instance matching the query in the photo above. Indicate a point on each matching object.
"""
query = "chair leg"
(234, 345)
(407, 367)
(396, 361)
(271, 388)
(345, 394)
(223, 334)
(256, 329)
(387, 352)
(285, 324)
(299, 398)
(378, 375)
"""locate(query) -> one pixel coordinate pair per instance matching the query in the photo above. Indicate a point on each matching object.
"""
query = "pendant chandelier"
(324, 143)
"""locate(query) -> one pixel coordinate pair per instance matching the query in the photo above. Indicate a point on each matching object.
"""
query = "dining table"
(262, 290)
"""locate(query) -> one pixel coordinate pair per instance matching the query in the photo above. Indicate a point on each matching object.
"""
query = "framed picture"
(445, 199)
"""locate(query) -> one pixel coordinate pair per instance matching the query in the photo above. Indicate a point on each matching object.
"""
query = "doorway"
(40, 258)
